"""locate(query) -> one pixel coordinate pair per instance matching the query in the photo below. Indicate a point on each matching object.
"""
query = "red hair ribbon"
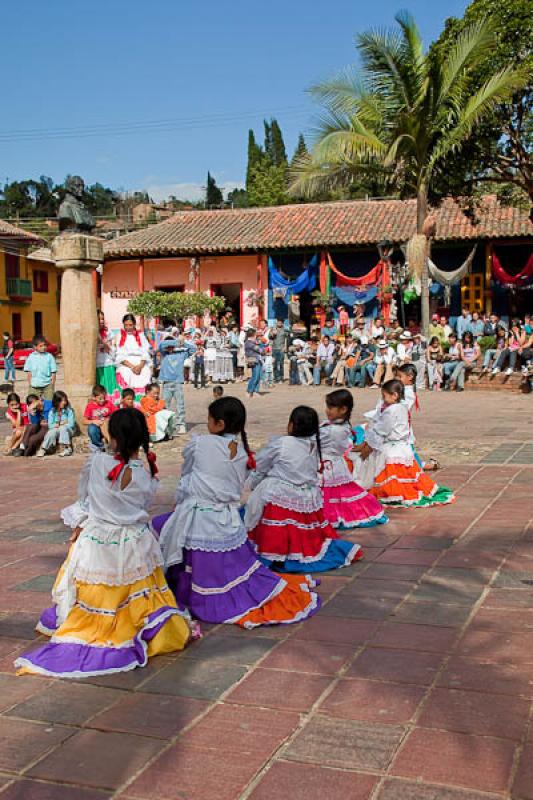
(115, 472)
(103, 332)
(251, 463)
(123, 336)
(152, 460)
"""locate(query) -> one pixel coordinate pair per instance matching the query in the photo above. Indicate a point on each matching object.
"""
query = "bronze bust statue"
(73, 214)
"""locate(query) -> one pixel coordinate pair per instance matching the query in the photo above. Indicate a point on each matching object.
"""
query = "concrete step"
(496, 383)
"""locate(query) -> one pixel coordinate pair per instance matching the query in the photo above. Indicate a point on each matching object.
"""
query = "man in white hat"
(384, 363)
(405, 346)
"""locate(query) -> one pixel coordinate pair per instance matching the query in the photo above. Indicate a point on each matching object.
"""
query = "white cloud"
(186, 191)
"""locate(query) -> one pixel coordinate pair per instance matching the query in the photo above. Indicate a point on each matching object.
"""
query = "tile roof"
(7, 229)
(41, 254)
(314, 225)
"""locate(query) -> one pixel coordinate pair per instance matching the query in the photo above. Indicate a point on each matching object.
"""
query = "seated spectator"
(377, 331)
(413, 327)
(528, 324)
(128, 399)
(526, 355)
(61, 427)
(404, 349)
(96, 416)
(384, 364)
(338, 363)
(446, 327)
(515, 342)
(418, 358)
(492, 324)
(324, 360)
(469, 353)
(359, 329)
(476, 326)
(434, 360)
(35, 431)
(304, 372)
(492, 354)
(329, 329)
(436, 329)
(462, 323)
(453, 367)
(16, 416)
(159, 420)
(363, 357)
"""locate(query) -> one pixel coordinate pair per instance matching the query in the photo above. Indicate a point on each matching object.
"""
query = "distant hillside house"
(248, 253)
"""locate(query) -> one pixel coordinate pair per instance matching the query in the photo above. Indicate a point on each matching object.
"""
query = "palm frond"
(414, 57)
(498, 89)
(472, 44)
(382, 55)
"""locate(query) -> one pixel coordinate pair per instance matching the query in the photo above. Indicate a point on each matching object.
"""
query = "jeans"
(489, 355)
(505, 355)
(279, 359)
(455, 372)
(63, 435)
(356, 376)
(95, 435)
(294, 372)
(317, 371)
(255, 378)
(9, 369)
(370, 370)
(173, 394)
(199, 373)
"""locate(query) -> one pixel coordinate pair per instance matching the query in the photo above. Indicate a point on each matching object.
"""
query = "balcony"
(19, 290)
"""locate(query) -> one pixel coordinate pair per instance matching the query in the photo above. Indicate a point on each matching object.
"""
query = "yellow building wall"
(45, 302)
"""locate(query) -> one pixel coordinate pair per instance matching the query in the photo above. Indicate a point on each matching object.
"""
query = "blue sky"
(184, 80)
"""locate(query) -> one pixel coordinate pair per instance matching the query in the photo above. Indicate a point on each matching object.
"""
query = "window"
(16, 326)
(38, 322)
(12, 266)
(40, 280)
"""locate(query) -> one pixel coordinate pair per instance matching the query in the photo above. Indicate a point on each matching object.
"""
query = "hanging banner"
(349, 295)
(522, 278)
(450, 278)
(371, 278)
(285, 287)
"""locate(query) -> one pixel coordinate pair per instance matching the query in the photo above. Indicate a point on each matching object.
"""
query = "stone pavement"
(414, 682)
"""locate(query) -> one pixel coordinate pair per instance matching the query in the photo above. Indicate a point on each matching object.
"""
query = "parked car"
(22, 351)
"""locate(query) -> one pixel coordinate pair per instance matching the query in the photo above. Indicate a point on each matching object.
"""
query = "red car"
(22, 351)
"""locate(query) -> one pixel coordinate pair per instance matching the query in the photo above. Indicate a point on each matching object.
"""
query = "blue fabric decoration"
(436, 288)
(349, 295)
(304, 282)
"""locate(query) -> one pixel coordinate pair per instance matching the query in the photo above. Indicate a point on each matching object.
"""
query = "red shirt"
(94, 410)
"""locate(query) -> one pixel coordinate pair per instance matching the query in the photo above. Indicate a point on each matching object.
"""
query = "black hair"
(98, 389)
(434, 339)
(127, 426)
(304, 420)
(12, 398)
(232, 413)
(218, 391)
(341, 398)
(410, 371)
(129, 318)
(57, 398)
(128, 393)
(394, 386)
(6, 333)
(38, 340)
(469, 335)
(150, 386)
(31, 397)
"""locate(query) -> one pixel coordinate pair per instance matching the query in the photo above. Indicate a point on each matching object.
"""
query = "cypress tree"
(279, 154)
(301, 149)
(213, 195)
(269, 144)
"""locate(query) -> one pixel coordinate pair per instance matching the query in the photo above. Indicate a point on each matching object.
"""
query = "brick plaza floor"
(414, 682)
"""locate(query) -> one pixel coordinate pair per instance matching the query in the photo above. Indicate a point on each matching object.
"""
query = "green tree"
(176, 306)
(301, 150)
(279, 153)
(407, 113)
(499, 155)
(266, 174)
(213, 195)
(238, 198)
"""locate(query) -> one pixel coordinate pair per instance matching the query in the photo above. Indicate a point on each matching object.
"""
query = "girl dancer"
(346, 505)
(112, 608)
(211, 565)
(284, 512)
(385, 462)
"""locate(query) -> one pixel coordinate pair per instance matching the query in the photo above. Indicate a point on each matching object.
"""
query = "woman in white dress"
(211, 344)
(133, 358)
(224, 360)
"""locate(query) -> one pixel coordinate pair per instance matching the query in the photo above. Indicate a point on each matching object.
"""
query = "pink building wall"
(120, 281)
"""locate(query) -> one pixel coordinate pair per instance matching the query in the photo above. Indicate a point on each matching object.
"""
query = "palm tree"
(402, 116)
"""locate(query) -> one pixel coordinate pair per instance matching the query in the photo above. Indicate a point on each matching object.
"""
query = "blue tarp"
(349, 295)
(304, 282)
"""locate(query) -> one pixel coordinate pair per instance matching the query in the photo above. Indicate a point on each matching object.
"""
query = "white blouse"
(105, 358)
(289, 459)
(131, 351)
(336, 440)
(389, 426)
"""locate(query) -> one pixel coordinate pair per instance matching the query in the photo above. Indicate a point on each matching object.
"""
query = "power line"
(150, 126)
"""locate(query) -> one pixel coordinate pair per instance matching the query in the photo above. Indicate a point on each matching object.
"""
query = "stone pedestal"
(77, 255)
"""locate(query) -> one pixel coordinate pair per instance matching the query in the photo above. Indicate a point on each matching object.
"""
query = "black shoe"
(17, 452)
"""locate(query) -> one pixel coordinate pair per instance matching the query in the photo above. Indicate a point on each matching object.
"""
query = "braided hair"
(127, 426)
(232, 413)
(304, 422)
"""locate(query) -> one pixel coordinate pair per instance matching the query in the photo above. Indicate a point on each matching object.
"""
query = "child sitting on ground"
(128, 399)
(218, 392)
(35, 431)
(96, 416)
(61, 426)
(16, 415)
(160, 420)
(267, 376)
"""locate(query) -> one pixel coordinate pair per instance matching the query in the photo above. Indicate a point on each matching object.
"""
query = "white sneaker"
(181, 430)
(495, 371)
(509, 371)
(41, 453)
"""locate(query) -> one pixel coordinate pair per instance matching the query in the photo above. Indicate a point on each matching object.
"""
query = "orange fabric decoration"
(150, 407)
